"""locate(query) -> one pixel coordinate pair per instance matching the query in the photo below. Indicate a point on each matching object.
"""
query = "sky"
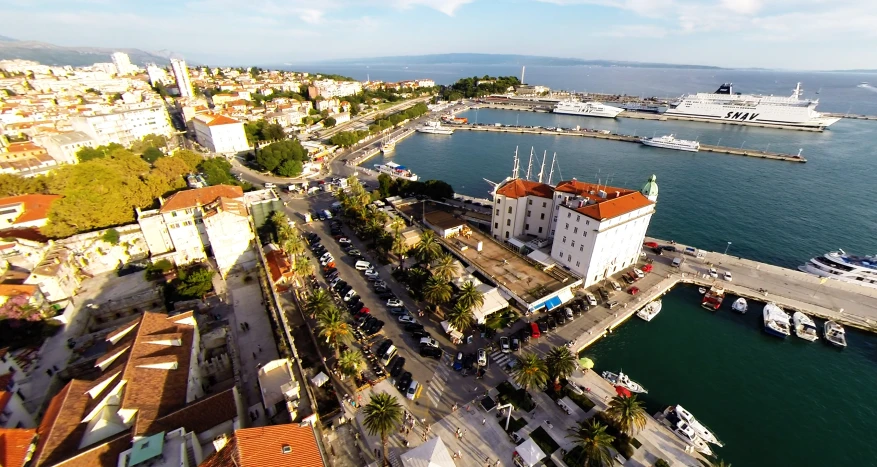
(787, 34)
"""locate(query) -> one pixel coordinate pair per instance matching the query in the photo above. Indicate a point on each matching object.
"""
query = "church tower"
(650, 189)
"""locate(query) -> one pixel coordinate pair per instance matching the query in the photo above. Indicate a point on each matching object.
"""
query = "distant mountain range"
(500, 59)
(50, 54)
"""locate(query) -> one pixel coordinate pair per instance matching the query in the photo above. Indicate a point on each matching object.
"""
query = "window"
(510, 209)
(530, 202)
(569, 257)
(540, 229)
(496, 225)
(587, 222)
(506, 235)
(544, 204)
(584, 234)
(528, 213)
(573, 243)
(564, 239)
(527, 226)
(499, 201)
(542, 216)
(578, 218)
(578, 263)
(575, 230)
(508, 222)
(568, 215)
(581, 248)
(497, 212)
(567, 227)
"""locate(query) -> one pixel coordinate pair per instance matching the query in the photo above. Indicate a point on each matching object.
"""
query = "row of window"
(180, 224)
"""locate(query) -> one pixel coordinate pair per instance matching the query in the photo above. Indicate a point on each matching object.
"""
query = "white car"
(713, 273)
(504, 344)
(615, 285)
(639, 273)
(371, 274)
(592, 300)
(344, 241)
(394, 302)
(429, 341)
(326, 255)
(362, 265)
(324, 262)
(575, 388)
(350, 294)
(269, 185)
(405, 319)
(482, 357)
(728, 276)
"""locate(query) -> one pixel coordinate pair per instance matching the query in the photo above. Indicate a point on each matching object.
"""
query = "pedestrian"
(497, 463)
(459, 454)
(483, 421)
(454, 408)
(407, 443)
(260, 349)
(254, 355)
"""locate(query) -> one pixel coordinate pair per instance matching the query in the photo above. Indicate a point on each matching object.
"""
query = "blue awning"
(552, 303)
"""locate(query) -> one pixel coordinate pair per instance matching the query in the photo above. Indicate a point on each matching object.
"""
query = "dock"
(626, 138)
(372, 149)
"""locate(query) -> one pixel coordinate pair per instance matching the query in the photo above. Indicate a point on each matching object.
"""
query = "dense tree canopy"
(261, 130)
(86, 154)
(478, 87)
(349, 138)
(434, 189)
(282, 158)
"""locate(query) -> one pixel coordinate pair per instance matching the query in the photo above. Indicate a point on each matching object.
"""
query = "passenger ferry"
(670, 142)
(435, 128)
(838, 265)
(396, 171)
(587, 109)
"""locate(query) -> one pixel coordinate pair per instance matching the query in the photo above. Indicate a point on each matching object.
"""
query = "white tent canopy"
(320, 379)
(493, 302)
(530, 452)
(432, 453)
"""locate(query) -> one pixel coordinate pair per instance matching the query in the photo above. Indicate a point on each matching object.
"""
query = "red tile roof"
(36, 207)
(263, 447)
(614, 206)
(518, 188)
(14, 446)
(200, 197)
(222, 120)
(14, 290)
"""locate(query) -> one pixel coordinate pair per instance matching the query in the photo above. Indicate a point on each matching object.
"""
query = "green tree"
(385, 183)
(530, 371)
(193, 282)
(461, 318)
(329, 122)
(470, 297)
(318, 302)
(383, 414)
(560, 362)
(595, 442)
(191, 158)
(151, 155)
(14, 185)
(436, 291)
(351, 362)
(293, 245)
(445, 267)
(628, 413)
(428, 248)
(111, 236)
(282, 156)
(303, 267)
(719, 463)
(217, 171)
(332, 326)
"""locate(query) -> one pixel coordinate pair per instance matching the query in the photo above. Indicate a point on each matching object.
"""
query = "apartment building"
(220, 134)
(125, 126)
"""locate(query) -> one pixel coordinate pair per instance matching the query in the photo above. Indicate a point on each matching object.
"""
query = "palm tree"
(530, 371)
(293, 245)
(332, 325)
(470, 297)
(428, 248)
(592, 437)
(397, 224)
(383, 414)
(400, 248)
(720, 463)
(318, 302)
(461, 318)
(350, 362)
(303, 267)
(560, 362)
(436, 291)
(445, 267)
(627, 413)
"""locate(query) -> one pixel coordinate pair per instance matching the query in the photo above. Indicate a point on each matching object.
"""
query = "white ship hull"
(838, 265)
(587, 109)
(396, 171)
(433, 131)
(670, 145)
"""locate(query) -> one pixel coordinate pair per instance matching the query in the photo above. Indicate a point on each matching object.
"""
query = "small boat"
(805, 328)
(702, 431)
(835, 334)
(776, 321)
(650, 311)
(622, 379)
(740, 305)
(702, 290)
(687, 433)
(713, 298)
(388, 146)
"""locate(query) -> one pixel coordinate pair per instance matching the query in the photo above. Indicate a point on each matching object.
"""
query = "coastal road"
(369, 118)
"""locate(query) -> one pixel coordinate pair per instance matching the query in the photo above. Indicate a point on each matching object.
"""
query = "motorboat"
(740, 305)
(687, 433)
(650, 311)
(835, 334)
(702, 431)
(623, 380)
(712, 300)
(805, 328)
(839, 265)
(701, 290)
(776, 321)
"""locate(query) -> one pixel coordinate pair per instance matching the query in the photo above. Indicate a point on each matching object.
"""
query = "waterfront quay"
(628, 139)
(373, 148)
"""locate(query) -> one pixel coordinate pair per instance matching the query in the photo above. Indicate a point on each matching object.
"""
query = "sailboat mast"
(542, 169)
(530, 164)
(551, 173)
(515, 168)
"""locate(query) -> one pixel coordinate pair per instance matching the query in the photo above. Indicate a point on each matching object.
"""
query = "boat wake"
(868, 87)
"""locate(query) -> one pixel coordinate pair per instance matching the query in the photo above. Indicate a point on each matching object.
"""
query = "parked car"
(349, 295)
(354, 252)
(344, 241)
(374, 328)
(406, 318)
(482, 357)
(394, 302)
(429, 341)
(575, 388)
(396, 366)
(728, 276)
(397, 310)
(362, 265)
(592, 300)
(339, 285)
(403, 382)
(604, 294)
(371, 274)
(413, 327)
(413, 390)
(504, 345)
(458, 362)
(515, 344)
(431, 352)
(386, 295)
(668, 248)
(713, 273)
(611, 304)
(417, 335)
(614, 285)
(633, 290)
(639, 273)
(380, 284)
(469, 361)
(568, 313)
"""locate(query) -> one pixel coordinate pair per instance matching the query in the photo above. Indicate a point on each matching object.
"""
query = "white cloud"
(745, 7)
(448, 7)
(635, 30)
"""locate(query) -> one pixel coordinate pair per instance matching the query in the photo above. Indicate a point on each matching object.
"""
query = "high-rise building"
(122, 63)
(156, 74)
(181, 74)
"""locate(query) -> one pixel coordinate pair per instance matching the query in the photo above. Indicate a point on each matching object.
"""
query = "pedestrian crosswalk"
(439, 381)
(499, 358)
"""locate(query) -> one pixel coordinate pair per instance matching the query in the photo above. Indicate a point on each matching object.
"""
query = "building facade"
(63, 146)
(181, 75)
(220, 134)
(123, 64)
(126, 126)
(328, 88)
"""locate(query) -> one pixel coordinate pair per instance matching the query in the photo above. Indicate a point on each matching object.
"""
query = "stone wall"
(95, 256)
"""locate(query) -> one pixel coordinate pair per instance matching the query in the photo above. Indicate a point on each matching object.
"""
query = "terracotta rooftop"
(518, 188)
(24, 147)
(36, 207)
(14, 446)
(614, 206)
(200, 197)
(290, 444)
(582, 188)
(14, 290)
(235, 206)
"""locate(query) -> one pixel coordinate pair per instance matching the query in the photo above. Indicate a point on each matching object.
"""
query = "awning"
(529, 452)
(457, 335)
(432, 453)
(320, 379)
(446, 325)
(552, 303)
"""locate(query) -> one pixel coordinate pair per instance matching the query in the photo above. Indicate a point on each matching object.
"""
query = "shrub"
(111, 236)
(662, 463)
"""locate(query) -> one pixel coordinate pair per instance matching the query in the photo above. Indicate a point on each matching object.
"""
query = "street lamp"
(726, 248)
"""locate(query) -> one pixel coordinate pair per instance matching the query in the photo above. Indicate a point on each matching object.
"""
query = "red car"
(647, 268)
(651, 244)
(633, 290)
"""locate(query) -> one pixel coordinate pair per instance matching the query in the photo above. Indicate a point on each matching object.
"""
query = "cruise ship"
(728, 107)
(587, 109)
(670, 142)
(838, 265)
(396, 171)
(434, 128)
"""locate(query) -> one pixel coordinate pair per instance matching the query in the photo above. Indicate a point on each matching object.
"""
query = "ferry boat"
(805, 328)
(725, 106)
(699, 428)
(835, 334)
(776, 321)
(650, 311)
(687, 433)
(740, 305)
(588, 109)
(712, 300)
(435, 128)
(838, 265)
(624, 381)
(388, 146)
(670, 142)
(396, 171)
(641, 107)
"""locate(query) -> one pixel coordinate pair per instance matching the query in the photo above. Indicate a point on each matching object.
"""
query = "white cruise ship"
(434, 128)
(587, 109)
(670, 142)
(396, 171)
(727, 107)
(838, 265)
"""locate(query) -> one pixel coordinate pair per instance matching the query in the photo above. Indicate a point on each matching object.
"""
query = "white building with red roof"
(220, 134)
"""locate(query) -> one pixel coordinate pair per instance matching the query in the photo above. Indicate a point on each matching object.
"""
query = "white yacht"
(670, 142)
(650, 311)
(805, 328)
(687, 433)
(702, 431)
(838, 265)
(388, 146)
(587, 109)
(740, 305)
(776, 321)
(725, 106)
(835, 334)
(435, 128)
(623, 380)
(396, 171)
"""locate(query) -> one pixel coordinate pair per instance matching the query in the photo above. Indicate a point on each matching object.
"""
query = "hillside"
(50, 54)
(500, 59)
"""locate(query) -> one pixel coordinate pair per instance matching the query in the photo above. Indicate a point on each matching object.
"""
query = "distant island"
(51, 54)
(500, 59)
